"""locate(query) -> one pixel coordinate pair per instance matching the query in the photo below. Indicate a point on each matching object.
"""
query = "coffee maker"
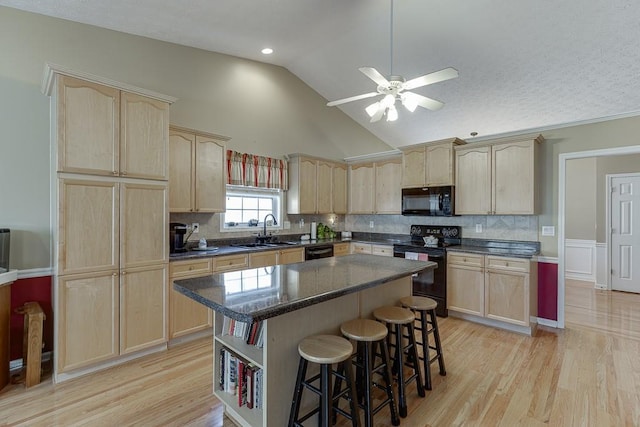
(179, 233)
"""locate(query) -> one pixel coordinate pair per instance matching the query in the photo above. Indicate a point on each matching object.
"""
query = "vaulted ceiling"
(523, 64)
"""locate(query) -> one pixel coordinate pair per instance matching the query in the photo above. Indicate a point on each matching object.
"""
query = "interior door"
(625, 241)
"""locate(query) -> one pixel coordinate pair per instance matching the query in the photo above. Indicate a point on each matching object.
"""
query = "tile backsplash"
(501, 227)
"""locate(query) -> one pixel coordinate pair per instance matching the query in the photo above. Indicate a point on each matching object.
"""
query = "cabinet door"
(230, 263)
(507, 296)
(465, 289)
(513, 171)
(388, 199)
(413, 168)
(263, 259)
(88, 225)
(307, 183)
(143, 224)
(144, 137)
(339, 189)
(324, 177)
(382, 250)
(88, 307)
(473, 181)
(143, 308)
(187, 316)
(210, 175)
(181, 167)
(88, 127)
(439, 168)
(291, 256)
(361, 188)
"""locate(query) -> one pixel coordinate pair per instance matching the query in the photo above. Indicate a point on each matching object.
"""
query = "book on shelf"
(240, 378)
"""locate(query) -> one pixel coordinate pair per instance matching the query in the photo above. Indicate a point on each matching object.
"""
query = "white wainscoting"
(580, 260)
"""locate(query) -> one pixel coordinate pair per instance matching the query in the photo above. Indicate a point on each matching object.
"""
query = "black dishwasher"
(318, 251)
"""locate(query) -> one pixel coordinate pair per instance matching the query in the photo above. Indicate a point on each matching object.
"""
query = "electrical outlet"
(548, 230)
(478, 228)
(195, 227)
(301, 223)
(370, 224)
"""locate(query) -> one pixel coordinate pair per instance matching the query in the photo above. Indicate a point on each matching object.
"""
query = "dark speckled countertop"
(290, 287)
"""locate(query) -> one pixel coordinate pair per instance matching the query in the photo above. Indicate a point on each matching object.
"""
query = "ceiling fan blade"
(374, 75)
(427, 79)
(353, 98)
(428, 103)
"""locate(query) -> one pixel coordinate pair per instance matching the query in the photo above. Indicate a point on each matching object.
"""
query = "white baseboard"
(191, 337)
(547, 322)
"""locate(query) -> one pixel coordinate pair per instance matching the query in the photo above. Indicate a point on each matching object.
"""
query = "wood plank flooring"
(580, 376)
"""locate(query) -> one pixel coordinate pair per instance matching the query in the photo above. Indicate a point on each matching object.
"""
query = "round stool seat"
(394, 315)
(419, 303)
(325, 349)
(363, 330)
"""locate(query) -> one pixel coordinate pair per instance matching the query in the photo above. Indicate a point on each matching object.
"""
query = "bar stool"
(424, 307)
(396, 318)
(325, 350)
(368, 335)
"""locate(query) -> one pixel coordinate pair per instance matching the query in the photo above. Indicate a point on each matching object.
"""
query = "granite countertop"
(293, 286)
(508, 248)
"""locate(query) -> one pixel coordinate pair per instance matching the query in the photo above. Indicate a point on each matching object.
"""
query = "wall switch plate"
(548, 230)
(478, 228)
(195, 227)
(370, 224)
(287, 225)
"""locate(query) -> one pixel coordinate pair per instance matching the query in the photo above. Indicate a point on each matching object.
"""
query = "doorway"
(562, 166)
(623, 221)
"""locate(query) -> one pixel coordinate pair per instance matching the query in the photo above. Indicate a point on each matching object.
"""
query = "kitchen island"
(291, 302)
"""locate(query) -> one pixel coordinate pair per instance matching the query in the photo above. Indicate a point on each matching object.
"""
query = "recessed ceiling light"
(267, 51)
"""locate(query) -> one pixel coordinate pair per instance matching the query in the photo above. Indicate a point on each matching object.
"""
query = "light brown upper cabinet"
(429, 165)
(196, 171)
(102, 130)
(375, 187)
(497, 178)
(316, 186)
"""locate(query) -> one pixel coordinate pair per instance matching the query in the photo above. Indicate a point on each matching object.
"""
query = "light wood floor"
(580, 376)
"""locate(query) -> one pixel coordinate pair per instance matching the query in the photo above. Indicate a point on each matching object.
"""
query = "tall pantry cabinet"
(110, 208)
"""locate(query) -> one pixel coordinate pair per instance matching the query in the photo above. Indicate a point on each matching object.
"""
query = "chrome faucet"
(264, 225)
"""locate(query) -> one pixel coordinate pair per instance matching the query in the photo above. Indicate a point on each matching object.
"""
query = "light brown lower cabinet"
(106, 314)
(341, 249)
(503, 289)
(263, 259)
(290, 256)
(187, 316)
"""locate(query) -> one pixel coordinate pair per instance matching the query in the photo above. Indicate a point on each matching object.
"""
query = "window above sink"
(246, 208)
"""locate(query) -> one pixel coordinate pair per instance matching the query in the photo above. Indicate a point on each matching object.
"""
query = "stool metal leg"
(368, 378)
(353, 397)
(297, 395)
(426, 359)
(325, 395)
(399, 370)
(436, 336)
(388, 378)
(413, 354)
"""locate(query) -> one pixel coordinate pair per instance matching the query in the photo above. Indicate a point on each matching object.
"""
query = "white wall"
(265, 109)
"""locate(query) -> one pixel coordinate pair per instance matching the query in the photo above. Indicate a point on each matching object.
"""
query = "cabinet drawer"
(231, 262)
(509, 264)
(360, 248)
(190, 268)
(461, 258)
(382, 250)
(340, 249)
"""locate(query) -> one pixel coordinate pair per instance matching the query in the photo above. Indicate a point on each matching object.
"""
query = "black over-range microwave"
(428, 201)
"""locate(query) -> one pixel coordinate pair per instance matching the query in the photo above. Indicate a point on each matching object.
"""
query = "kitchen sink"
(263, 245)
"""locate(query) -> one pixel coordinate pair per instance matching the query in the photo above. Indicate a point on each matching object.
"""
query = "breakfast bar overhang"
(293, 301)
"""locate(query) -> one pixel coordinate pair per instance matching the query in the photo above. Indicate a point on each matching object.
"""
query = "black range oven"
(429, 243)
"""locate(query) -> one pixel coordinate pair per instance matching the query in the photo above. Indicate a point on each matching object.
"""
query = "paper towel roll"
(313, 230)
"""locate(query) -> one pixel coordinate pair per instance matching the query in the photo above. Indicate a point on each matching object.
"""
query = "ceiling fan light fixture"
(409, 102)
(392, 114)
(388, 100)
(372, 109)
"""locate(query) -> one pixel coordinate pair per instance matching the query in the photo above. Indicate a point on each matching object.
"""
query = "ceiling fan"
(395, 87)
